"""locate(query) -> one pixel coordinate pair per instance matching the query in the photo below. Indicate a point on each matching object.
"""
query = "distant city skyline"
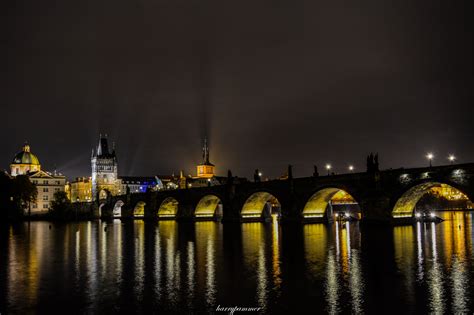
(301, 84)
(436, 159)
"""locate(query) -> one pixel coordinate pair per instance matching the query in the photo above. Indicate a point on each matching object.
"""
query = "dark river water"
(169, 267)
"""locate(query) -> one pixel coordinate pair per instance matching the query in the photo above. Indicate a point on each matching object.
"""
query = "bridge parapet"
(377, 194)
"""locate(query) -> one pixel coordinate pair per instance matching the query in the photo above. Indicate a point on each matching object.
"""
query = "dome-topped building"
(24, 162)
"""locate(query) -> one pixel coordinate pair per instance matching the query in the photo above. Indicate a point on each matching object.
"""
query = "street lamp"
(451, 158)
(328, 167)
(430, 157)
(351, 168)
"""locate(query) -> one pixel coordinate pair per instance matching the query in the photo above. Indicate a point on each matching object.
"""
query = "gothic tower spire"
(206, 168)
(205, 152)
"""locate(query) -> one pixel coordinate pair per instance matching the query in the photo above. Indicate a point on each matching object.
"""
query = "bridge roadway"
(388, 195)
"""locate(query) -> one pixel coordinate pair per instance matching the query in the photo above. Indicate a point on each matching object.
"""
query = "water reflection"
(205, 242)
(276, 260)
(165, 266)
(440, 257)
(253, 244)
(335, 257)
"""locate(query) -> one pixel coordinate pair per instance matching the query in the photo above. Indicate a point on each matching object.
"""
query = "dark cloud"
(269, 82)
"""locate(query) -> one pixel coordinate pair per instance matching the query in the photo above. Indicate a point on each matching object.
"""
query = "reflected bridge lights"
(344, 217)
(427, 217)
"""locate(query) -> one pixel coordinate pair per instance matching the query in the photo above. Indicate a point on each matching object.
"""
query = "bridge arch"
(103, 194)
(208, 206)
(260, 204)
(168, 208)
(139, 209)
(117, 210)
(318, 203)
(406, 203)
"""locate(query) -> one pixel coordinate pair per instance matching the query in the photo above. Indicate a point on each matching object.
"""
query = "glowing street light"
(351, 168)
(430, 157)
(451, 158)
(260, 174)
(328, 167)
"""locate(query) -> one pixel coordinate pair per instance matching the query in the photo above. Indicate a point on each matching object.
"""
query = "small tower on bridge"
(206, 168)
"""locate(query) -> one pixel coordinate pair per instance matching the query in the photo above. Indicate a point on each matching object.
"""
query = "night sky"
(269, 82)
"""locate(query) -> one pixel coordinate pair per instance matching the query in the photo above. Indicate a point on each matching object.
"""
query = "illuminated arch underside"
(317, 204)
(139, 210)
(207, 206)
(103, 194)
(168, 208)
(255, 204)
(117, 212)
(405, 205)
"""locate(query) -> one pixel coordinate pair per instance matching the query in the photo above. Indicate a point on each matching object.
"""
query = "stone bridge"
(389, 195)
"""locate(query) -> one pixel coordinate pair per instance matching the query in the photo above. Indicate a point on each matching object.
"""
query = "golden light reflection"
(24, 266)
(344, 239)
(157, 264)
(404, 246)
(91, 262)
(168, 232)
(139, 231)
(118, 242)
(253, 249)
(276, 252)
(205, 241)
(315, 245)
(103, 247)
(332, 283)
(419, 250)
(457, 231)
(191, 266)
(459, 283)
(435, 277)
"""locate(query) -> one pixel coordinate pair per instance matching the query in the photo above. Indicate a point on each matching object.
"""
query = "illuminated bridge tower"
(104, 170)
(206, 168)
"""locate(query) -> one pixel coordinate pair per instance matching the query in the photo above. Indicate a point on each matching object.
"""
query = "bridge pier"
(376, 209)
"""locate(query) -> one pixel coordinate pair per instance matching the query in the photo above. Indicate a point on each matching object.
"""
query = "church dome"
(25, 157)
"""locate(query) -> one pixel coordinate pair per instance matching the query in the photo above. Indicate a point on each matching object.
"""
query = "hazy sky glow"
(270, 82)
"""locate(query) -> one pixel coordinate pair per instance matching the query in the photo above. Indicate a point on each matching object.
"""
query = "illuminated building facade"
(136, 184)
(104, 171)
(80, 190)
(47, 184)
(206, 168)
(26, 163)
